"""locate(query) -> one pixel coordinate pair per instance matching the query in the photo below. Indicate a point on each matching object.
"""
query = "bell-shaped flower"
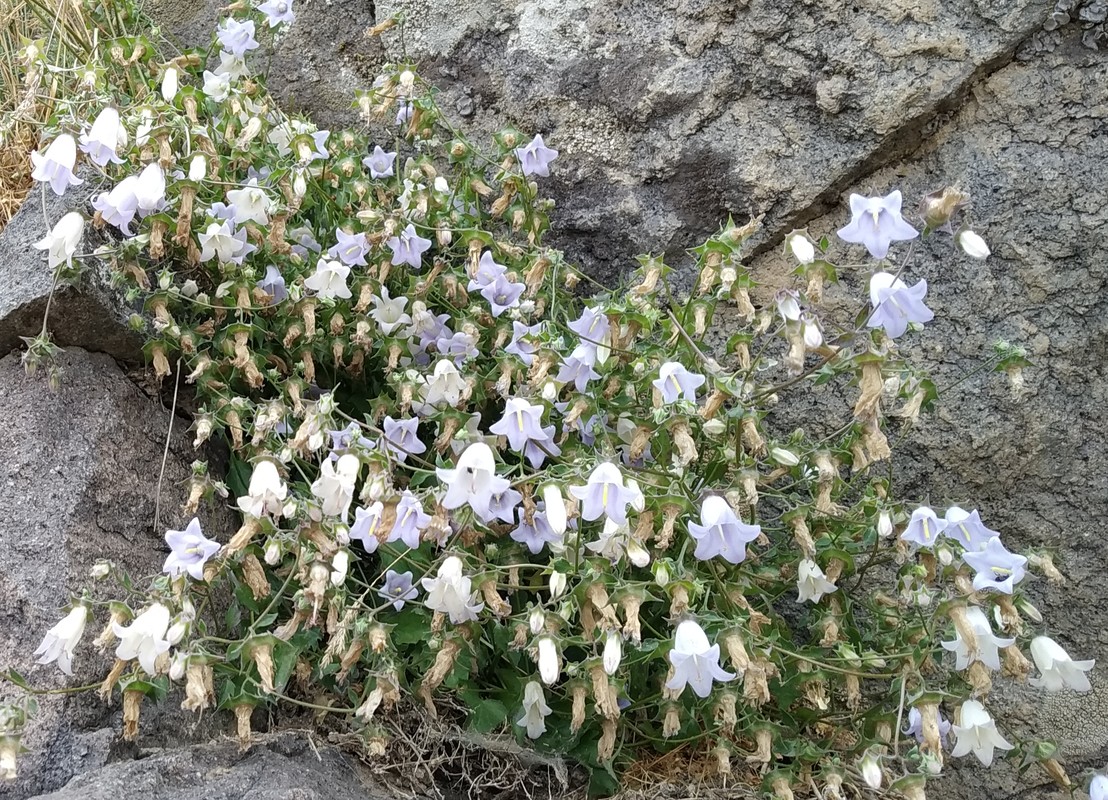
(63, 240)
(329, 279)
(334, 488)
(145, 638)
(502, 506)
(536, 534)
(398, 589)
(535, 710)
(616, 542)
(119, 206)
(487, 272)
(998, 569)
(523, 345)
(444, 387)
(473, 480)
(895, 304)
(876, 222)
(402, 438)
(966, 529)
(190, 550)
(976, 733)
(273, 284)
(604, 494)
(367, 526)
(451, 593)
(985, 646)
(251, 203)
(1056, 669)
(915, 726)
(554, 506)
(411, 521)
(811, 582)
(102, 140)
(277, 12)
(695, 662)
(217, 85)
(502, 294)
(535, 157)
(550, 667)
(379, 163)
(674, 382)
(350, 249)
(924, 528)
(61, 640)
(458, 346)
(613, 652)
(810, 330)
(592, 326)
(389, 311)
(408, 247)
(220, 241)
(150, 189)
(522, 425)
(266, 493)
(55, 166)
(578, 368)
(721, 533)
(171, 82)
(237, 37)
(788, 304)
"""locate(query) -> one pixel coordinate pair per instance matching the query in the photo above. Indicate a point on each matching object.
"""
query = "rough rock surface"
(78, 483)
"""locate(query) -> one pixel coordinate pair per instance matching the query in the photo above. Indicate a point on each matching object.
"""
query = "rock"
(90, 314)
(285, 767)
(78, 484)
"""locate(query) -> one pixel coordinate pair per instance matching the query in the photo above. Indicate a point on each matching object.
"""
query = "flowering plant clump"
(456, 478)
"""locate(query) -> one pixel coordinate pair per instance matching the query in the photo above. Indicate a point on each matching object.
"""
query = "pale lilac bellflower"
(408, 248)
(522, 425)
(411, 521)
(474, 481)
(402, 438)
(351, 249)
(535, 157)
(237, 37)
(924, 528)
(502, 294)
(675, 382)
(398, 589)
(721, 533)
(277, 12)
(273, 284)
(998, 569)
(876, 222)
(487, 272)
(379, 163)
(967, 529)
(537, 533)
(578, 368)
(604, 494)
(895, 304)
(915, 727)
(523, 344)
(119, 206)
(367, 524)
(102, 141)
(190, 551)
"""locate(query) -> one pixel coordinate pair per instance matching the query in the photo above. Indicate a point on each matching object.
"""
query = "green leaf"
(14, 677)
(488, 715)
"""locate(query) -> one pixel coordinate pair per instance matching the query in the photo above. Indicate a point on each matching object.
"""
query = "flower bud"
(785, 458)
(198, 168)
(613, 652)
(177, 668)
(557, 584)
(169, 84)
(273, 554)
(661, 574)
(801, 247)
(549, 392)
(973, 245)
(555, 508)
(300, 184)
(340, 563)
(885, 525)
(715, 427)
(536, 621)
(100, 569)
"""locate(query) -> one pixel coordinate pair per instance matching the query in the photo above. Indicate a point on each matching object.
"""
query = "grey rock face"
(78, 482)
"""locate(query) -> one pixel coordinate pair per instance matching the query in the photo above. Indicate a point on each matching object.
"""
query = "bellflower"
(502, 506)
(967, 529)
(267, 492)
(119, 206)
(675, 382)
(1057, 670)
(895, 304)
(219, 240)
(237, 37)
(578, 368)
(976, 732)
(190, 550)
(721, 533)
(695, 663)
(150, 189)
(251, 203)
(473, 481)
(102, 141)
(811, 582)
(410, 521)
(536, 534)
(408, 248)
(273, 284)
(451, 593)
(334, 488)
(535, 710)
(522, 344)
(367, 523)
(535, 158)
(56, 165)
(329, 280)
(61, 641)
(398, 589)
(389, 311)
(876, 222)
(144, 638)
(487, 272)
(217, 85)
(801, 247)
(521, 423)
(458, 346)
(427, 326)
(604, 494)
(915, 726)
(924, 528)
(445, 386)
(222, 211)
(985, 648)
(788, 304)
(998, 569)
(810, 329)
(550, 668)
(404, 112)
(592, 326)
(502, 295)
(402, 438)
(379, 163)
(277, 12)
(616, 542)
(351, 248)
(63, 240)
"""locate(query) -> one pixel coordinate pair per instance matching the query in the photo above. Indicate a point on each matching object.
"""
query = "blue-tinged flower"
(451, 593)
(474, 481)
(426, 326)
(379, 163)
(895, 304)
(967, 529)
(223, 211)
(976, 732)
(56, 165)
(695, 662)
(1057, 670)
(103, 139)
(675, 382)
(119, 206)
(458, 346)
(535, 158)
(537, 450)
(535, 534)
(502, 506)
(190, 550)
(502, 294)
(273, 284)
(924, 528)
(997, 568)
(876, 222)
(351, 248)
(915, 726)
(411, 521)
(329, 280)
(522, 344)
(402, 438)
(398, 589)
(521, 423)
(345, 439)
(408, 248)
(578, 368)
(367, 525)
(721, 533)
(404, 112)
(237, 37)
(604, 494)
(277, 12)
(487, 272)
(592, 325)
